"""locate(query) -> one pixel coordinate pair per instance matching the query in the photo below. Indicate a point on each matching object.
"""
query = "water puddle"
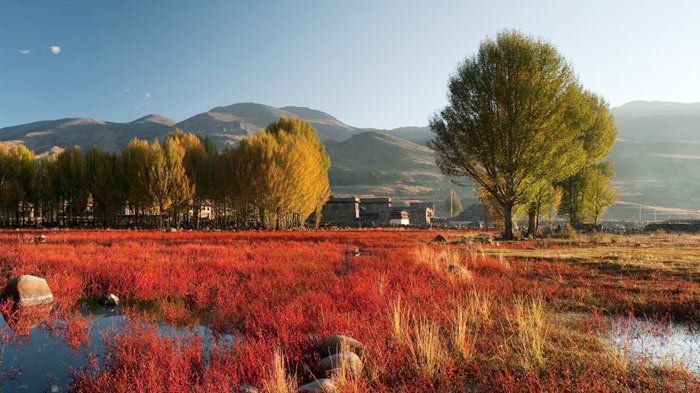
(665, 344)
(39, 359)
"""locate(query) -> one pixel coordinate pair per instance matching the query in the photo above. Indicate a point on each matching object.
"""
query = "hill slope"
(375, 163)
(363, 162)
(226, 125)
(42, 136)
(657, 156)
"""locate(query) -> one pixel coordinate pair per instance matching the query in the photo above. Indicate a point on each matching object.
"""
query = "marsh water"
(666, 344)
(43, 361)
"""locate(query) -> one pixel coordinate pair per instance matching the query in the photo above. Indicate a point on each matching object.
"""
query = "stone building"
(375, 211)
(421, 213)
(341, 211)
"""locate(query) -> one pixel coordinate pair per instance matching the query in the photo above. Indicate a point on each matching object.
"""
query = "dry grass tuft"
(426, 346)
(346, 373)
(531, 324)
(277, 380)
(399, 318)
(443, 260)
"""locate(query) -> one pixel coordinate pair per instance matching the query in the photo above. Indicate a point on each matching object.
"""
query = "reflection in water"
(35, 356)
(23, 319)
(663, 344)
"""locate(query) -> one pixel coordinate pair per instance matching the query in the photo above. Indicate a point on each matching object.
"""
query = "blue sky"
(370, 63)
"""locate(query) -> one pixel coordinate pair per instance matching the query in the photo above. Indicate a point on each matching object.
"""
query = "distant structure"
(473, 217)
(375, 212)
(399, 218)
(421, 213)
(341, 211)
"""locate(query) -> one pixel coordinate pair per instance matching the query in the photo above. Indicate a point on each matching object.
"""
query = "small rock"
(440, 239)
(334, 344)
(330, 364)
(40, 239)
(322, 385)
(170, 229)
(27, 290)
(247, 389)
(108, 300)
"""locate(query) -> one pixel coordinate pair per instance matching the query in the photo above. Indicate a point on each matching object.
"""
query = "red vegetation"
(285, 290)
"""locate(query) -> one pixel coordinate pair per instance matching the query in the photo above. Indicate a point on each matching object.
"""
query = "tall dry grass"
(443, 260)
(530, 323)
(427, 348)
(466, 323)
(277, 380)
(399, 318)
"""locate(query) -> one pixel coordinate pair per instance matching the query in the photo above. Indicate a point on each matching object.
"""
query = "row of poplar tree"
(274, 179)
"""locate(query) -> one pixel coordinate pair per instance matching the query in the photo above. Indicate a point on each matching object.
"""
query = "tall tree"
(70, 179)
(453, 205)
(181, 188)
(593, 116)
(599, 195)
(16, 174)
(544, 202)
(136, 164)
(105, 184)
(505, 125)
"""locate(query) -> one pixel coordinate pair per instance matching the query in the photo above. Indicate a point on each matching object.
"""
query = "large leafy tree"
(71, 183)
(505, 125)
(599, 133)
(598, 195)
(105, 184)
(17, 170)
(136, 163)
(284, 170)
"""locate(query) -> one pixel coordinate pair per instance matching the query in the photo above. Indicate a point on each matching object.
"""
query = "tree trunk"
(508, 224)
(532, 222)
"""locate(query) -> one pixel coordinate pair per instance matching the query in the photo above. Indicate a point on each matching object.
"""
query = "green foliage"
(599, 195)
(70, 182)
(453, 205)
(16, 179)
(105, 184)
(507, 125)
(543, 203)
(276, 178)
(593, 115)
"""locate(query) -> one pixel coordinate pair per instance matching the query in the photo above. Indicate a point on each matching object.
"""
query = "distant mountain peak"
(80, 121)
(152, 118)
(308, 113)
(649, 108)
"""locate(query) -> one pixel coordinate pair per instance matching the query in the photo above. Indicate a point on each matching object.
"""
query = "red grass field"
(496, 325)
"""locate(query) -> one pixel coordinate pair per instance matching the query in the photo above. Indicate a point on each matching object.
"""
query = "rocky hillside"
(226, 125)
(381, 164)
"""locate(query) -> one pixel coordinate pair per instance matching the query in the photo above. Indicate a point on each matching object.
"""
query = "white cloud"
(55, 49)
(127, 90)
(24, 51)
(147, 95)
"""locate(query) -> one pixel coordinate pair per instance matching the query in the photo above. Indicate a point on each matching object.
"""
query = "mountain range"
(656, 155)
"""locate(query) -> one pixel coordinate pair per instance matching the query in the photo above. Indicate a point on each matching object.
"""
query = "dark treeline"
(274, 179)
